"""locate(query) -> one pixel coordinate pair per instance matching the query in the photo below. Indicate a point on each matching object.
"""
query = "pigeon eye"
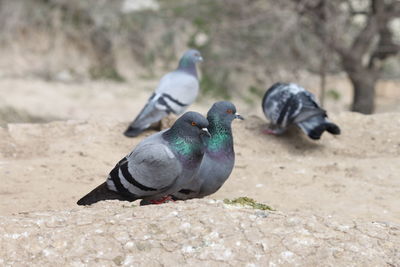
(229, 111)
(193, 123)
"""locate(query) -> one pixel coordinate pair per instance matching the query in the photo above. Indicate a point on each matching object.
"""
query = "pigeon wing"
(152, 166)
(280, 104)
(153, 111)
(309, 107)
(178, 90)
(175, 92)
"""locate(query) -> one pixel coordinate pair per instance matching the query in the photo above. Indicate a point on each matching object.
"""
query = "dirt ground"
(49, 166)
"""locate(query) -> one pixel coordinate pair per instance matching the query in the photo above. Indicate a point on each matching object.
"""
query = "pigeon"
(159, 165)
(175, 92)
(219, 155)
(288, 103)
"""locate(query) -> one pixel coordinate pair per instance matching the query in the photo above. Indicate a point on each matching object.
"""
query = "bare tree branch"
(323, 22)
(393, 9)
(363, 40)
(316, 12)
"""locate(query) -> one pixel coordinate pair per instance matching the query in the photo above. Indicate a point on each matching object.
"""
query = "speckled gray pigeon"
(219, 155)
(175, 92)
(159, 165)
(288, 103)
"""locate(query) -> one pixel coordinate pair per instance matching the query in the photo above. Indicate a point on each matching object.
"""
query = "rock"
(202, 233)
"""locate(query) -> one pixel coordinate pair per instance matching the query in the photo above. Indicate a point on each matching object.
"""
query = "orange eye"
(193, 123)
(229, 111)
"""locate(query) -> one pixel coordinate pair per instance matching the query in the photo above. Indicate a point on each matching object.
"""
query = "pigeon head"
(186, 138)
(220, 117)
(190, 58)
(191, 124)
(224, 112)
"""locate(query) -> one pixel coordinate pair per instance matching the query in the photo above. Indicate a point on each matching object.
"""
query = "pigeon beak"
(200, 59)
(206, 132)
(237, 116)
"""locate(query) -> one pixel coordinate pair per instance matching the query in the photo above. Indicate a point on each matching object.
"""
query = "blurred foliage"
(246, 44)
(105, 73)
(333, 94)
(243, 42)
(12, 115)
(256, 91)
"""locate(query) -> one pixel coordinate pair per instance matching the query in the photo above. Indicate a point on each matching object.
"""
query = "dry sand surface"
(193, 233)
(336, 200)
(356, 175)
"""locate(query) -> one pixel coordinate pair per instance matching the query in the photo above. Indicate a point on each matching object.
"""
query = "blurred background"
(74, 59)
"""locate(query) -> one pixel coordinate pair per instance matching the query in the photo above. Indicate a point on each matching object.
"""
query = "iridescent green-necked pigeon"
(158, 166)
(219, 155)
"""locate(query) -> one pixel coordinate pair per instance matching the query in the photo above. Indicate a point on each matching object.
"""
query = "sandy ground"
(49, 166)
(46, 167)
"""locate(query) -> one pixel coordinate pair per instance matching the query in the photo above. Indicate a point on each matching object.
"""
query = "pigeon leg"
(157, 201)
(162, 200)
(273, 130)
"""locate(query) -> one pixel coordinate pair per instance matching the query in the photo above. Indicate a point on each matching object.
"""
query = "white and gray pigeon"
(288, 103)
(219, 155)
(175, 92)
(158, 166)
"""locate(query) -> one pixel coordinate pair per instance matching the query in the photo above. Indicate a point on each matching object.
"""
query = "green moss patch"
(246, 201)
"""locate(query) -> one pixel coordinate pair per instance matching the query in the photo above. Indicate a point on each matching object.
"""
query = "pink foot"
(162, 200)
(268, 131)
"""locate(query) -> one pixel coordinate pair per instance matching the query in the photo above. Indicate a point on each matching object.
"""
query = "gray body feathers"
(219, 156)
(175, 92)
(287, 103)
(211, 176)
(156, 167)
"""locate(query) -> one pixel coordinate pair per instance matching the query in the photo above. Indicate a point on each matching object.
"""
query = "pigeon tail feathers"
(100, 193)
(333, 128)
(133, 132)
(315, 126)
